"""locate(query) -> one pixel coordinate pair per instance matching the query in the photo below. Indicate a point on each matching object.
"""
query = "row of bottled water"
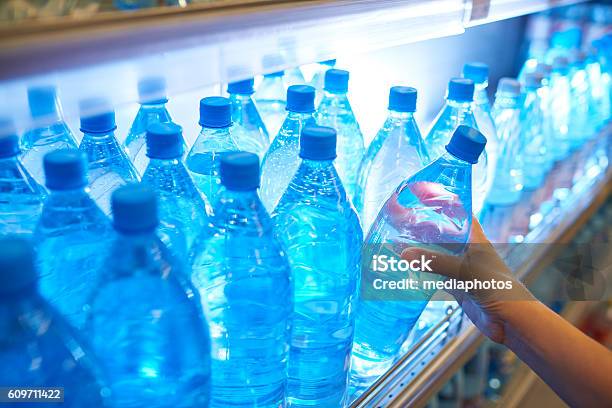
(225, 282)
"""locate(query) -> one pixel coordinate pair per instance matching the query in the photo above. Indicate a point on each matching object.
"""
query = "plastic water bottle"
(249, 131)
(318, 79)
(109, 166)
(335, 111)
(433, 207)
(152, 95)
(600, 94)
(545, 71)
(581, 125)
(271, 97)
(316, 208)
(396, 153)
(479, 73)
(145, 320)
(37, 346)
(49, 132)
(282, 158)
(21, 197)
(458, 110)
(182, 210)
(70, 236)
(243, 277)
(534, 138)
(560, 100)
(508, 183)
(213, 141)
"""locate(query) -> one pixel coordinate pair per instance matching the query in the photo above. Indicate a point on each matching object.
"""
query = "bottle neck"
(99, 136)
(158, 105)
(241, 98)
(68, 196)
(400, 116)
(158, 162)
(299, 116)
(462, 105)
(480, 93)
(507, 101)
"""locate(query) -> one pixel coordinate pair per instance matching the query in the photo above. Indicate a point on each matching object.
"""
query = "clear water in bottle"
(38, 348)
(534, 139)
(434, 208)
(282, 158)
(152, 95)
(560, 107)
(600, 94)
(109, 166)
(479, 73)
(49, 131)
(244, 281)
(182, 210)
(145, 321)
(396, 153)
(318, 78)
(248, 129)
(335, 111)
(508, 183)
(271, 98)
(215, 139)
(70, 236)
(21, 197)
(458, 110)
(581, 124)
(320, 231)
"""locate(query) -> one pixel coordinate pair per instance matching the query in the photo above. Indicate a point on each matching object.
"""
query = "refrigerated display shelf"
(227, 39)
(445, 348)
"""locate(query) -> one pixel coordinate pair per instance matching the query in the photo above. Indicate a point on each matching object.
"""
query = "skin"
(575, 366)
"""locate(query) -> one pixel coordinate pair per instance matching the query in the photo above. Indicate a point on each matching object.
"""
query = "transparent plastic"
(535, 154)
(183, 213)
(316, 209)
(271, 97)
(135, 143)
(109, 167)
(248, 131)
(335, 111)
(204, 158)
(508, 184)
(282, 158)
(21, 198)
(244, 281)
(395, 154)
(146, 325)
(70, 236)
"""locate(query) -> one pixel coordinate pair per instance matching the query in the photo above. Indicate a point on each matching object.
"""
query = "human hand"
(488, 309)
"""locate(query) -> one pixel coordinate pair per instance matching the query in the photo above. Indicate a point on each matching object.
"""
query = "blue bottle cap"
(461, 90)
(336, 80)
(17, 270)
(476, 71)
(164, 140)
(560, 65)
(509, 86)
(533, 80)
(215, 112)
(65, 169)
(239, 171)
(42, 101)
(244, 87)
(318, 143)
(300, 98)
(272, 61)
(329, 63)
(402, 99)
(152, 90)
(466, 144)
(97, 116)
(9, 141)
(134, 208)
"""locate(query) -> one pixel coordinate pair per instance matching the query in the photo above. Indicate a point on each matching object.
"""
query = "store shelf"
(433, 360)
(226, 40)
(487, 11)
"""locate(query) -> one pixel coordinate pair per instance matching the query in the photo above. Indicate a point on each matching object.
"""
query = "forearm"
(575, 366)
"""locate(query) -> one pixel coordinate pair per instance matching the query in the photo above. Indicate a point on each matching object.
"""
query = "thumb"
(441, 264)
